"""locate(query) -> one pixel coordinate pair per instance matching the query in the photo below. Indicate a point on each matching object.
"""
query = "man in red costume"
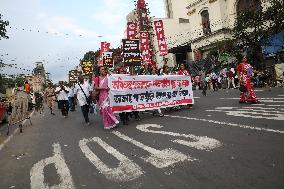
(245, 73)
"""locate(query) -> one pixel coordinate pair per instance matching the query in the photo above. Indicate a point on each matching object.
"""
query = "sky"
(59, 32)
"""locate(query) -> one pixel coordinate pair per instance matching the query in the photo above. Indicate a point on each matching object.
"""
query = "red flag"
(160, 33)
(131, 30)
(144, 47)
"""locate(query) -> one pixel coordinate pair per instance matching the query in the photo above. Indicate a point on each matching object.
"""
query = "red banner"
(145, 48)
(104, 48)
(160, 33)
(131, 30)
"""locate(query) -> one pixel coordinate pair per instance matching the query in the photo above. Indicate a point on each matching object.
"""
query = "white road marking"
(126, 170)
(278, 100)
(275, 106)
(14, 133)
(258, 90)
(199, 142)
(158, 158)
(280, 95)
(237, 113)
(37, 174)
(196, 97)
(228, 124)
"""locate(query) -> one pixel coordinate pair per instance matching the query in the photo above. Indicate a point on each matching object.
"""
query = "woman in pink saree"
(101, 85)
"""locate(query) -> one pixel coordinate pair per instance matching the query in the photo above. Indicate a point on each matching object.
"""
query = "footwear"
(137, 118)
(161, 115)
(242, 102)
(88, 123)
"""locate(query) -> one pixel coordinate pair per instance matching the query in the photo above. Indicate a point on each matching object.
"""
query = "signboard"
(131, 30)
(131, 52)
(73, 76)
(105, 46)
(87, 68)
(148, 92)
(160, 33)
(145, 47)
(108, 59)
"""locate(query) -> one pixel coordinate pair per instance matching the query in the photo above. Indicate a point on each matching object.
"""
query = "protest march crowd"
(93, 95)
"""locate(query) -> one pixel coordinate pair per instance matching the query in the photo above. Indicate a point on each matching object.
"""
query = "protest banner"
(73, 75)
(143, 18)
(131, 30)
(131, 52)
(87, 68)
(160, 33)
(145, 47)
(108, 59)
(148, 92)
(105, 46)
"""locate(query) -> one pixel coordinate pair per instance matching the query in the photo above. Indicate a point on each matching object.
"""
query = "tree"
(253, 28)
(3, 25)
(91, 56)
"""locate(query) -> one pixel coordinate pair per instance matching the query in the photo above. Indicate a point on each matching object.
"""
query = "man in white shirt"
(83, 91)
(62, 97)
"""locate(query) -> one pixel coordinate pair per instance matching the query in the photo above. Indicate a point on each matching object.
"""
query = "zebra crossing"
(270, 108)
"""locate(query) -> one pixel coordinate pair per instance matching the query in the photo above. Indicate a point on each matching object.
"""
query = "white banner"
(148, 92)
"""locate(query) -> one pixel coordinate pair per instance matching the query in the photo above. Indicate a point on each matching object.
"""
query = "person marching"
(101, 85)
(245, 71)
(50, 97)
(82, 92)
(62, 97)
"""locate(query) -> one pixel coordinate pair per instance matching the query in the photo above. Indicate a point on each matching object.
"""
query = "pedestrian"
(38, 102)
(50, 97)
(214, 80)
(245, 71)
(101, 85)
(27, 87)
(133, 73)
(231, 79)
(183, 70)
(124, 116)
(71, 99)
(83, 92)
(62, 97)
(159, 111)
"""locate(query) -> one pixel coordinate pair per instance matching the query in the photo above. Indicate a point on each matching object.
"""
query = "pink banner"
(131, 30)
(144, 47)
(105, 46)
(160, 33)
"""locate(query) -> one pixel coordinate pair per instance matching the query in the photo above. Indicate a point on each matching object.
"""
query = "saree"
(108, 117)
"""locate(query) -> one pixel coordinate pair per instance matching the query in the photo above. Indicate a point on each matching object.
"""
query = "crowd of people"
(88, 91)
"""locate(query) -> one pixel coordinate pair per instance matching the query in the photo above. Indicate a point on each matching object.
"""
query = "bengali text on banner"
(148, 92)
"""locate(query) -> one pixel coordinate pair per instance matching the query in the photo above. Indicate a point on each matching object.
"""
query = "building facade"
(209, 21)
(38, 78)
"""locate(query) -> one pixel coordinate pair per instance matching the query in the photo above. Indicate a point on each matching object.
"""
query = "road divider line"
(228, 124)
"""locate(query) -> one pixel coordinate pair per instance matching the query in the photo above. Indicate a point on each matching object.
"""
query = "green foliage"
(3, 25)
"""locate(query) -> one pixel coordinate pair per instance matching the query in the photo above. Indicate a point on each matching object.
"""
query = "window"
(205, 22)
(248, 5)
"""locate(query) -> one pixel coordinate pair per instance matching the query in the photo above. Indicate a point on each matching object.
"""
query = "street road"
(219, 143)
